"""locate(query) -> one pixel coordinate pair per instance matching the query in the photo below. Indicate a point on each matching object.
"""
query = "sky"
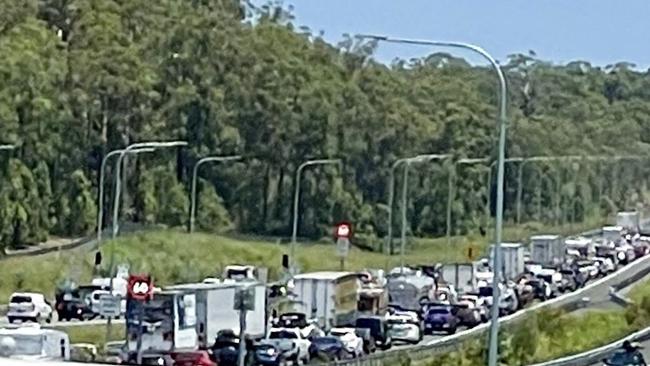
(601, 32)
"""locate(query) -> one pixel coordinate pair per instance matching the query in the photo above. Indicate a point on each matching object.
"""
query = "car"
(404, 328)
(308, 328)
(553, 279)
(268, 355)
(623, 358)
(225, 349)
(353, 344)
(192, 358)
(468, 314)
(441, 318)
(605, 265)
(328, 348)
(479, 302)
(369, 344)
(291, 342)
(29, 306)
(379, 330)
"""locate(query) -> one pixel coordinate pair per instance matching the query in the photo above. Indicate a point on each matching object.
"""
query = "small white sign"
(343, 231)
(342, 247)
(110, 305)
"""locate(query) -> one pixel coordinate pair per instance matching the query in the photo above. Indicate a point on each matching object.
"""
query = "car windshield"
(282, 334)
(485, 291)
(372, 324)
(325, 340)
(438, 311)
(19, 299)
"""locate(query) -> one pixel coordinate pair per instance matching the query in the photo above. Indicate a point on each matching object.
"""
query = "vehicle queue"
(323, 316)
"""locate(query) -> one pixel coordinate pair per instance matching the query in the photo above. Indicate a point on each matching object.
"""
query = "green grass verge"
(173, 256)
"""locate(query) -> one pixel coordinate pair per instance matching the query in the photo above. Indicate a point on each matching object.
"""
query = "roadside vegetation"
(174, 256)
(551, 334)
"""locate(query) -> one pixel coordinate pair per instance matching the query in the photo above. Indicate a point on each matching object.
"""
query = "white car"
(291, 342)
(402, 328)
(477, 302)
(351, 341)
(29, 306)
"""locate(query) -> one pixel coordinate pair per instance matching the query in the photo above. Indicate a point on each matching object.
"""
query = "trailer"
(330, 298)
(215, 309)
(461, 275)
(547, 249)
(629, 221)
(31, 342)
(512, 260)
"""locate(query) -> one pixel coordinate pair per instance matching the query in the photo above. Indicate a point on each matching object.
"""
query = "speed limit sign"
(140, 287)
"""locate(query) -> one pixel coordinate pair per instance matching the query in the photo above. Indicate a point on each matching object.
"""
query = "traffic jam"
(316, 317)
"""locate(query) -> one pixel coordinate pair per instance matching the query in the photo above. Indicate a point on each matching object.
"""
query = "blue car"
(441, 318)
(328, 348)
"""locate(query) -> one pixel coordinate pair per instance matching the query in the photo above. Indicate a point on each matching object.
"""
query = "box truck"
(328, 297)
(629, 220)
(512, 260)
(547, 249)
(215, 309)
(461, 275)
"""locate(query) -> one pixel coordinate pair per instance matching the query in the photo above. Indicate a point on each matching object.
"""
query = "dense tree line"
(81, 78)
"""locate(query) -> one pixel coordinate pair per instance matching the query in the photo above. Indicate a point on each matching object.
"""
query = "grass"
(94, 334)
(173, 256)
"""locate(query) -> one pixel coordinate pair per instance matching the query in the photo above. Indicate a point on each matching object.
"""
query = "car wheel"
(49, 319)
(451, 331)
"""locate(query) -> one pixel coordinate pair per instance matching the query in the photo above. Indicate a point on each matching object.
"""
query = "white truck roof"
(325, 275)
(544, 237)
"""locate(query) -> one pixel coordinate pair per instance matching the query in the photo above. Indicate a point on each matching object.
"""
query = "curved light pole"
(100, 199)
(194, 174)
(502, 106)
(296, 197)
(391, 191)
(118, 172)
(407, 165)
(450, 187)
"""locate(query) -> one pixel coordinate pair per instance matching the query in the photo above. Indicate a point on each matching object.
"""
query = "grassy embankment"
(173, 256)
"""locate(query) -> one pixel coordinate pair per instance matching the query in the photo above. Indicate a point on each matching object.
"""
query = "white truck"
(512, 260)
(215, 309)
(629, 220)
(329, 297)
(547, 249)
(166, 323)
(461, 275)
(31, 342)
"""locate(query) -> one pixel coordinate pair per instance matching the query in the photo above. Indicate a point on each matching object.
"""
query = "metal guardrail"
(597, 354)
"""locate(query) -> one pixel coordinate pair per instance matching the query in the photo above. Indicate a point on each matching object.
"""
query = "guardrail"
(597, 354)
(571, 301)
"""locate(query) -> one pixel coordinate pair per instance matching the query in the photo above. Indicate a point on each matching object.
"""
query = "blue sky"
(598, 31)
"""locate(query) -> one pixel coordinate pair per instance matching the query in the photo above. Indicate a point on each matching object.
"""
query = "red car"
(193, 358)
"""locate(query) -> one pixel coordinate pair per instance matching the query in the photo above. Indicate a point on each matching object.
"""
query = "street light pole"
(296, 197)
(407, 165)
(118, 172)
(194, 174)
(450, 188)
(100, 199)
(502, 107)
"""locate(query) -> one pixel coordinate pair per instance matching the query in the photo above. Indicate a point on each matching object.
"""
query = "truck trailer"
(547, 249)
(512, 260)
(329, 297)
(215, 309)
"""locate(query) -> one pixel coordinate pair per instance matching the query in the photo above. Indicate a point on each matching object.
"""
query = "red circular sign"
(140, 287)
(343, 230)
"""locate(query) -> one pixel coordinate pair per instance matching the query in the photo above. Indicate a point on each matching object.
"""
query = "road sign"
(245, 299)
(342, 247)
(343, 230)
(110, 305)
(140, 287)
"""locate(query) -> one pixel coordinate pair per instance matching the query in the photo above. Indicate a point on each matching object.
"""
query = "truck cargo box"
(329, 297)
(547, 249)
(512, 260)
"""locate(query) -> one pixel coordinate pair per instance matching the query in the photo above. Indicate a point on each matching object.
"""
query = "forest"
(81, 78)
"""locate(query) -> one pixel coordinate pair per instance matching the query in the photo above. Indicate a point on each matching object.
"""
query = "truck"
(461, 275)
(31, 342)
(165, 323)
(613, 234)
(410, 291)
(547, 249)
(328, 297)
(629, 220)
(512, 260)
(215, 309)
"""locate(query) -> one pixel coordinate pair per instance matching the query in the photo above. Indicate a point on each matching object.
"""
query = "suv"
(26, 306)
(379, 330)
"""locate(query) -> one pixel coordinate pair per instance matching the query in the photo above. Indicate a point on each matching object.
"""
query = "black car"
(74, 303)
(378, 330)
(225, 349)
(327, 349)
